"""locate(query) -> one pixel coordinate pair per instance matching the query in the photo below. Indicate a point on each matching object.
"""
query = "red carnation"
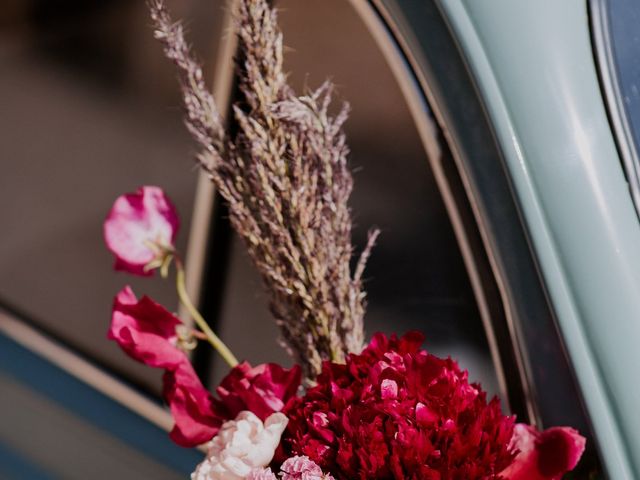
(396, 411)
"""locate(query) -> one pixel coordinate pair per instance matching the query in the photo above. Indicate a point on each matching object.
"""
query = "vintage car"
(529, 115)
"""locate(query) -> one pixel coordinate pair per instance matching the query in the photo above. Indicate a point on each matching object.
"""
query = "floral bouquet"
(346, 410)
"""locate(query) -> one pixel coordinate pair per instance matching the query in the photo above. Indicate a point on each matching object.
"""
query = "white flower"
(241, 446)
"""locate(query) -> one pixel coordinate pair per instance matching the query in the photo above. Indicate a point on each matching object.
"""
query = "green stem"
(212, 338)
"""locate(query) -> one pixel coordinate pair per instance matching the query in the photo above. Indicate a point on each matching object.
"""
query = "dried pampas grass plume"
(285, 178)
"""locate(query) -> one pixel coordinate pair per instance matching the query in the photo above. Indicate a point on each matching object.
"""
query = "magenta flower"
(146, 331)
(140, 230)
(546, 455)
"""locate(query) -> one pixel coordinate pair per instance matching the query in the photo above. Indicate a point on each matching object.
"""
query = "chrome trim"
(415, 88)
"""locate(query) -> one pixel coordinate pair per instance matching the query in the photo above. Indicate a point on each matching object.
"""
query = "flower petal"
(145, 330)
(546, 455)
(262, 474)
(192, 407)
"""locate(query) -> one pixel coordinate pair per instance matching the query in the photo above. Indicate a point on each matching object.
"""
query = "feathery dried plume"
(285, 178)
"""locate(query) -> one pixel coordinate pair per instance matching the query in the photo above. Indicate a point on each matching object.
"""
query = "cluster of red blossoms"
(393, 411)
(396, 411)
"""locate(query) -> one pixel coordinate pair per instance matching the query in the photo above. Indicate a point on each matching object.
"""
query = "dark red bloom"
(546, 455)
(396, 411)
(147, 332)
(262, 390)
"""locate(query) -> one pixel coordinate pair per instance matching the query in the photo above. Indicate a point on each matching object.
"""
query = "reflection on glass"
(54, 426)
(89, 111)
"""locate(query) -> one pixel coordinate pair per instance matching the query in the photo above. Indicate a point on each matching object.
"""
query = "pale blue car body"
(535, 72)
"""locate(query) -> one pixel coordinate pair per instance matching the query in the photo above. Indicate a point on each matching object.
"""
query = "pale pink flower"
(302, 468)
(140, 230)
(241, 446)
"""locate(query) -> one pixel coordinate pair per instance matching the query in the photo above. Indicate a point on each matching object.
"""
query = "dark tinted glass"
(617, 46)
(624, 18)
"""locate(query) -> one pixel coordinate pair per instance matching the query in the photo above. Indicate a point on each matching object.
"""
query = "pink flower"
(546, 455)
(140, 230)
(294, 468)
(302, 468)
(146, 331)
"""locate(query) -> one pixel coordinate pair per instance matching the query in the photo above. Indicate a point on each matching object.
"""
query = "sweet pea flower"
(242, 446)
(545, 455)
(197, 415)
(140, 230)
(146, 331)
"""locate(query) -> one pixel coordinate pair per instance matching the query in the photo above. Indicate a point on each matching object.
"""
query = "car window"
(90, 110)
(56, 425)
(617, 44)
(416, 278)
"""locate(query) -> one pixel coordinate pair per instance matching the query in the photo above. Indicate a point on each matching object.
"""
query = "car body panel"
(533, 64)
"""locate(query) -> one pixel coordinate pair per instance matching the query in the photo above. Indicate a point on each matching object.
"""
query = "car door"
(464, 255)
